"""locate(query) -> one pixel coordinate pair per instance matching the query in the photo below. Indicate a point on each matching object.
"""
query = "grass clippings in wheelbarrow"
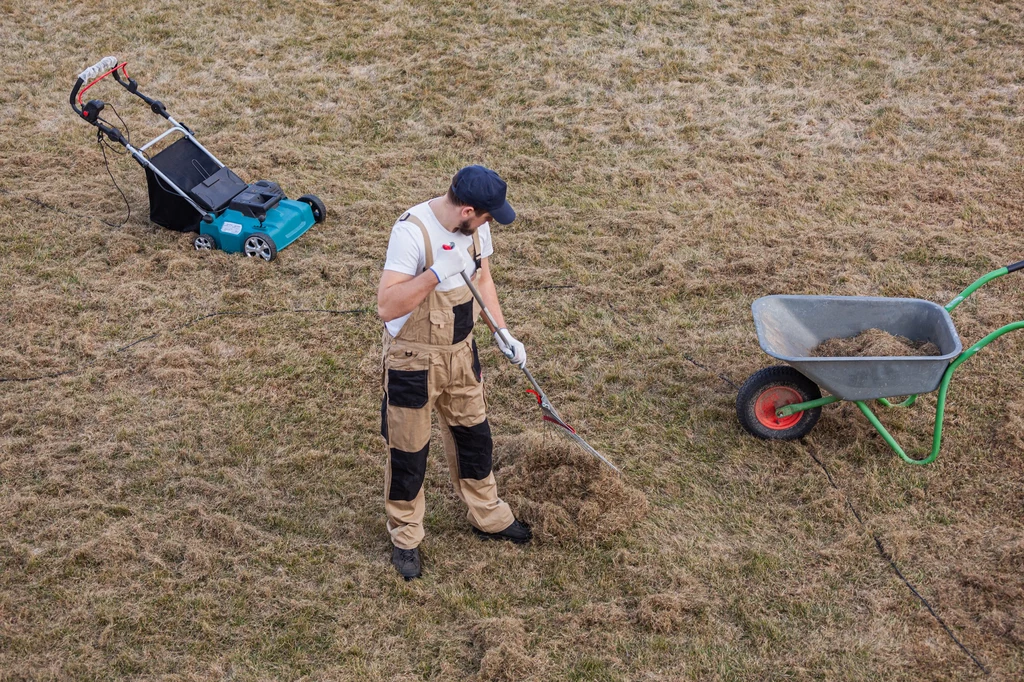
(874, 343)
(563, 493)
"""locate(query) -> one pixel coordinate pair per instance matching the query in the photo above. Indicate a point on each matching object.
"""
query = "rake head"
(551, 416)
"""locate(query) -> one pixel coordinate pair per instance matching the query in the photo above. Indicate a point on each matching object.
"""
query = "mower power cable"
(55, 209)
(550, 286)
(708, 369)
(888, 557)
(878, 542)
(106, 163)
(103, 144)
(180, 327)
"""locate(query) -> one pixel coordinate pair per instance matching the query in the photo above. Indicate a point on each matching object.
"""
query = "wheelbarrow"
(784, 402)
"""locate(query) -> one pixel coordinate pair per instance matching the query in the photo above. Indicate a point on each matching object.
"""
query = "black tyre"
(260, 245)
(768, 390)
(319, 210)
(204, 242)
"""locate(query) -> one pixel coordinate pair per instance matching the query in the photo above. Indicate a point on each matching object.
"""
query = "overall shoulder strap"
(428, 249)
(476, 249)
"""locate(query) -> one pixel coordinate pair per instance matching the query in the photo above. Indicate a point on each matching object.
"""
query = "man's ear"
(467, 212)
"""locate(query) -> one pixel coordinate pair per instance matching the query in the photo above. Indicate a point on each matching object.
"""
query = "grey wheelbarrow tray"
(790, 327)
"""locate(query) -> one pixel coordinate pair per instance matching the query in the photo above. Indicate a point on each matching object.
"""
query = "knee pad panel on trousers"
(407, 472)
(474, 449)
(407, 388)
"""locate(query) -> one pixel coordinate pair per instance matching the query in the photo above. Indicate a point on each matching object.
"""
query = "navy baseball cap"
(482, 189)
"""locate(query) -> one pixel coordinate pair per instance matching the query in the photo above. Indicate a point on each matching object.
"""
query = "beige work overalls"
(433, 362)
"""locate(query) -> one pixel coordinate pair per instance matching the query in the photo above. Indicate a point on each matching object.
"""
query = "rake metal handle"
(550, 414)
(493, 326)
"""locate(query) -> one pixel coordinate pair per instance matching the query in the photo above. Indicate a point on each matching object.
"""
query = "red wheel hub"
(773, 398)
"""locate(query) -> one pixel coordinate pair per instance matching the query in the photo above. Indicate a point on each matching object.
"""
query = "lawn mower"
(190, 190)
(784, 402)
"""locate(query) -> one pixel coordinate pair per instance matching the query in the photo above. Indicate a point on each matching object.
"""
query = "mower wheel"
(260, 245)
(204, 242)
(319, 210)
(770, 389)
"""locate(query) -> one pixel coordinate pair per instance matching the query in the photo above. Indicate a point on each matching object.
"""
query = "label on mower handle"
(231, 228)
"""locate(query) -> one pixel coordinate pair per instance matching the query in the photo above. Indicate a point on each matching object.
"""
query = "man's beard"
(465, 229)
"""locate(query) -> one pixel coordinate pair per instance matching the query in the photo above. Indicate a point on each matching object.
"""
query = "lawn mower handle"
(91, 111)
(104, 64)
(1015, 267)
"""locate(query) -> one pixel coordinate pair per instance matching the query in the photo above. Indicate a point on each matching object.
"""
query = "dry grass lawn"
(207, 504)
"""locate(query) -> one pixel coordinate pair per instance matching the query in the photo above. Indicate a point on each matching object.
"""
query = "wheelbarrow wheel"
(768, 390)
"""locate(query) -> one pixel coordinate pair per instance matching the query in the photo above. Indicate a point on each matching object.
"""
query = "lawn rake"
(548, 412)
(784, 402)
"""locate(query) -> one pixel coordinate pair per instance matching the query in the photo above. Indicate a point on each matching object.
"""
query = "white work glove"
(450, 262)
(515, 351)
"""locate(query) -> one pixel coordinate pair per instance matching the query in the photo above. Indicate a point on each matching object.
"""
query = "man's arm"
(399, 293)
(514, 350)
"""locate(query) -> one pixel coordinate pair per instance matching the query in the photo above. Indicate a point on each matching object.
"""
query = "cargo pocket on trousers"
(441, 319)
(407, 388)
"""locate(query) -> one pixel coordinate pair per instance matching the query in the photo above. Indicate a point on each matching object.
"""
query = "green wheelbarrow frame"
(790, 410)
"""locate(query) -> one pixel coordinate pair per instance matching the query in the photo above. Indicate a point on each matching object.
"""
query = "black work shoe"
(517, 532)
(407, 561)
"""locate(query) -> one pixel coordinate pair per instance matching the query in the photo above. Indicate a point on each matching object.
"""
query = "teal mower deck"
(784, 402)
(190, 190)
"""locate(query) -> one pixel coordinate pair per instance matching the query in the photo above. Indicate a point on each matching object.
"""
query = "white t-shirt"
(407, 254)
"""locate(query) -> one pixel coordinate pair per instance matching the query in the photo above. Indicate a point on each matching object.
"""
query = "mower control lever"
(129, 84)
(91, 110)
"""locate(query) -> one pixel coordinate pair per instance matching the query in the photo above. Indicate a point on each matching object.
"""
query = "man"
(431, 359)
